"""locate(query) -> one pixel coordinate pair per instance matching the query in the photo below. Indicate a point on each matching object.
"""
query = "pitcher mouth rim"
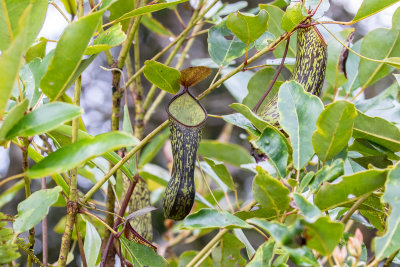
(186, 91)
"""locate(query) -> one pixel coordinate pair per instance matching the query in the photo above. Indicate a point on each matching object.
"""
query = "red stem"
(255, 109)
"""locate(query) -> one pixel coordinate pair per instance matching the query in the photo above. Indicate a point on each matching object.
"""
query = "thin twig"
(60, 10)
(45, 249)
(208, 186)
(14, 177)
(80, 244)
(347, 216)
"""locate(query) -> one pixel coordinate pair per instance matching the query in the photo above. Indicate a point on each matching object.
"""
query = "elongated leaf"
(44, 119)
(142, 255)
(377, 130)
(164, 77)
(36, 157)
(270, 192)
(274, 146)
(253, 118)
(13, 116)
(8, 195)
(390, 242)
(21, 17)
(335, 78)
(257, 86)
(70, 6)
(92, 244)
(328, 173)
(155, 26)
(371, 7)
(221, 50)
(241, 121)
(292, 17)
(152, 149)
(299, 112)
(66, 132)
(373, 47)
(242, 237)
(248, 27)
(274, 26)
(33, 209)
(106, 40)
(334, 129)
(149, 9)
(264, 255)
(211, 218)
(349, 189)
(311, 212)
(77, 153)
(68, 54)
(323, 235)
(225, 152)
(188, 255)
(222, 172)
(228, 253)
(29, 24)
(393, 61)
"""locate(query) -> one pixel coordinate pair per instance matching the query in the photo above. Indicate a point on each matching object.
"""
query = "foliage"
(329, 161)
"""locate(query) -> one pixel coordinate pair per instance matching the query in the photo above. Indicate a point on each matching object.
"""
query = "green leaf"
(264, 255)
(33, 209)
(278, 232)
(241, 121)
(388, 243)
(371, 7)
(292, 17)
(155, 26)
(299, 112)
(322, 9)
(222, 172)
(302, 256)
(228, 253)
(79, 152)
(13, 116)
(374, 47)
(334, 77)
(92, 244)
(323, 235)
(225, 152)
(22, 17)
(106, 40)
(70, 6)
(248, 27)
(36, 157)
(211, 218)
(188, 255)
(311, 212)
(377, 130)
(328, 173)
(253, 118)
(162, 76)
(142, 255)
(64, 132)
(270, 192)
(393, 61)
(8, 249)
(44, 119)
(30, 21)
(68, 54)
(274, 145)
(274, 26)
(242, 237)
(36, 50)
(152, 149)
(149, 9)
(257, 86)
(349, 189)
(334, 129)
(8, 195)
(221, 50)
